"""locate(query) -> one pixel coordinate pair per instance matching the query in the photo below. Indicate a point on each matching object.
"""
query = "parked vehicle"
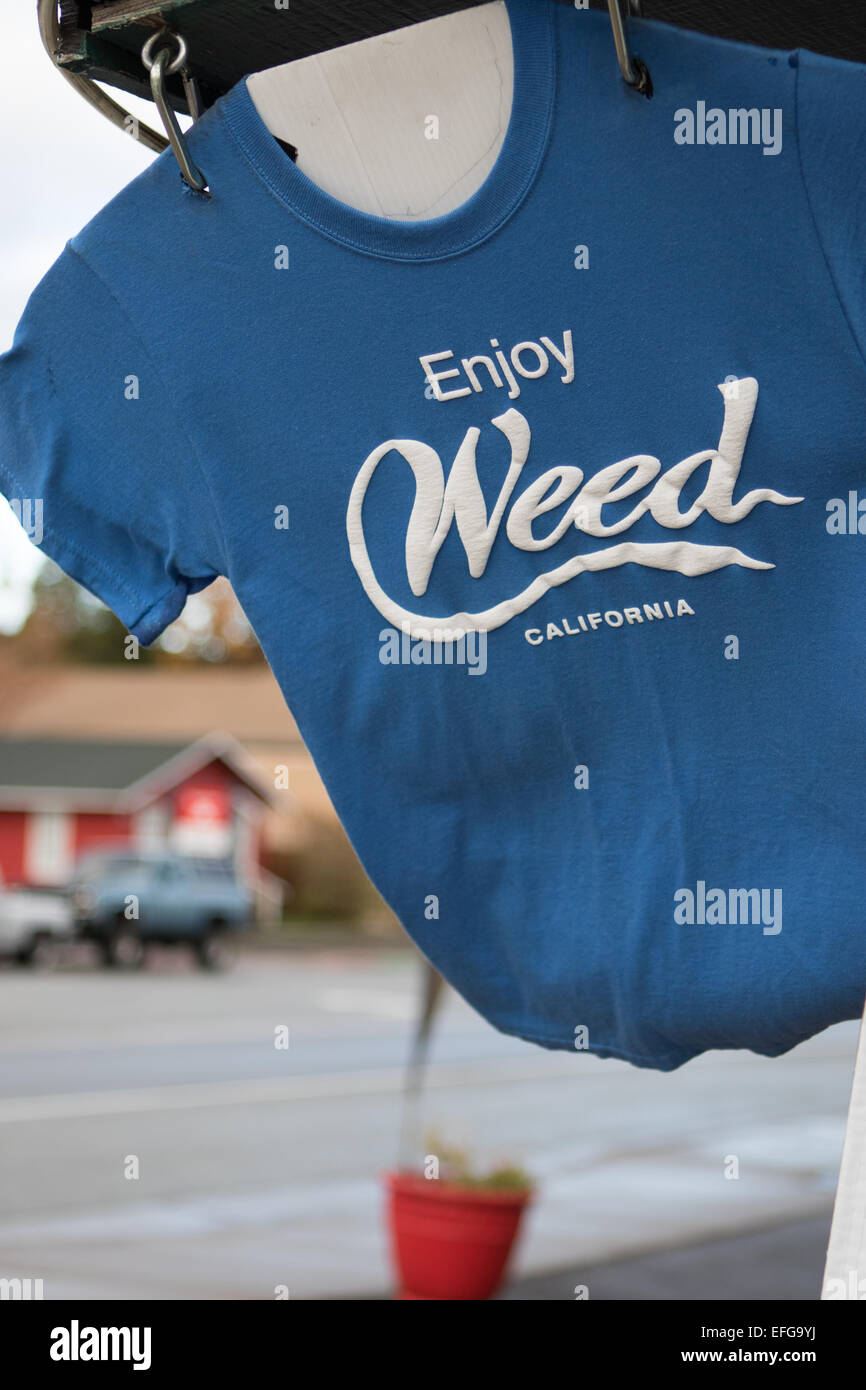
(34, 924)
(125, 900)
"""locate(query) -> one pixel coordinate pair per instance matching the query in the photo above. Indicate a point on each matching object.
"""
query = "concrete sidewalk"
(785, 1262)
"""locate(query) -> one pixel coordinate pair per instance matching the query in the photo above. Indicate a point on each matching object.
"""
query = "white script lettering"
(438, 504)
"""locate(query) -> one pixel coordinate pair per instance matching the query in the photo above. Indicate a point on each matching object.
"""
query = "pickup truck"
(125, 900)
(34, 924)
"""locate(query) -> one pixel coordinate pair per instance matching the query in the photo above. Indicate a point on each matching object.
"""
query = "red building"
(62, 797)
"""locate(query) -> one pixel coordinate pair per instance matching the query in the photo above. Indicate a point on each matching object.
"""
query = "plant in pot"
(453, 1228)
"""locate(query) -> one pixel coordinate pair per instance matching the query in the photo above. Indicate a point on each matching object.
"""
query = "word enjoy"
(529, 360)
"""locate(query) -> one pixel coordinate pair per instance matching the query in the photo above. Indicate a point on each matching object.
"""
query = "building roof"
(167, 705)
(116, 774)
(54, 762)
(132, 703)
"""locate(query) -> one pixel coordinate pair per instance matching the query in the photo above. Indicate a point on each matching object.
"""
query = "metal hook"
(158, 65)
(634, 70)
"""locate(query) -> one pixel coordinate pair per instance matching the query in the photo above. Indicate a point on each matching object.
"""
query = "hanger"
(165, 54)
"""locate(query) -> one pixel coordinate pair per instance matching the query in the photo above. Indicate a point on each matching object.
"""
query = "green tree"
(66, 623)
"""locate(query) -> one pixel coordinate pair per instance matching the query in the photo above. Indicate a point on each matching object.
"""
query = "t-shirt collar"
(502, 192)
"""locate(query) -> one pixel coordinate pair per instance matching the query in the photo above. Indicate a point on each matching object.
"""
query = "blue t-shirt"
(549, 513)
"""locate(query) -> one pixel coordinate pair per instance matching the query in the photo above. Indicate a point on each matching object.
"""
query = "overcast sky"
(60, 162)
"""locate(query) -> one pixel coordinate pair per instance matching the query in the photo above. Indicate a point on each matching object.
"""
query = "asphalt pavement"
(159, 1140)
(785, 1262)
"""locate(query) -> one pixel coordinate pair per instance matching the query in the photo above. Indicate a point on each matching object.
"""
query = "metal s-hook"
(155, 57)
(634, 71)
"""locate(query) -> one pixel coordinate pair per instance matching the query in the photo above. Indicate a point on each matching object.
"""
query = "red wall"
(12, 830)
(210, 776)
(93, 829)
(89, 830)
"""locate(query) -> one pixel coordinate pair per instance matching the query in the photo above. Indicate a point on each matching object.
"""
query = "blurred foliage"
(327, 877)
(455, 1165)
(66, 623)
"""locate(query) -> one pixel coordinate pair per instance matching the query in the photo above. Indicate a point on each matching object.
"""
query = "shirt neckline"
(512, 176)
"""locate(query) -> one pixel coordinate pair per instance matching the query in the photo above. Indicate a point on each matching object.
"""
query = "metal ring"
(634, 71)
(148, 57)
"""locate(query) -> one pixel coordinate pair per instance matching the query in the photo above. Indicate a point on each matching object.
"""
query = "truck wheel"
(41, 953)
(216, 948)
(123, 949)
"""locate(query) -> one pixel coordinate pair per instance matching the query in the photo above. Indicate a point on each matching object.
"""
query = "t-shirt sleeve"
(95, 457)
(831, 130)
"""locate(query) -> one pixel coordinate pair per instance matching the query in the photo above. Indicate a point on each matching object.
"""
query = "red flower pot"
(450, 1241)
